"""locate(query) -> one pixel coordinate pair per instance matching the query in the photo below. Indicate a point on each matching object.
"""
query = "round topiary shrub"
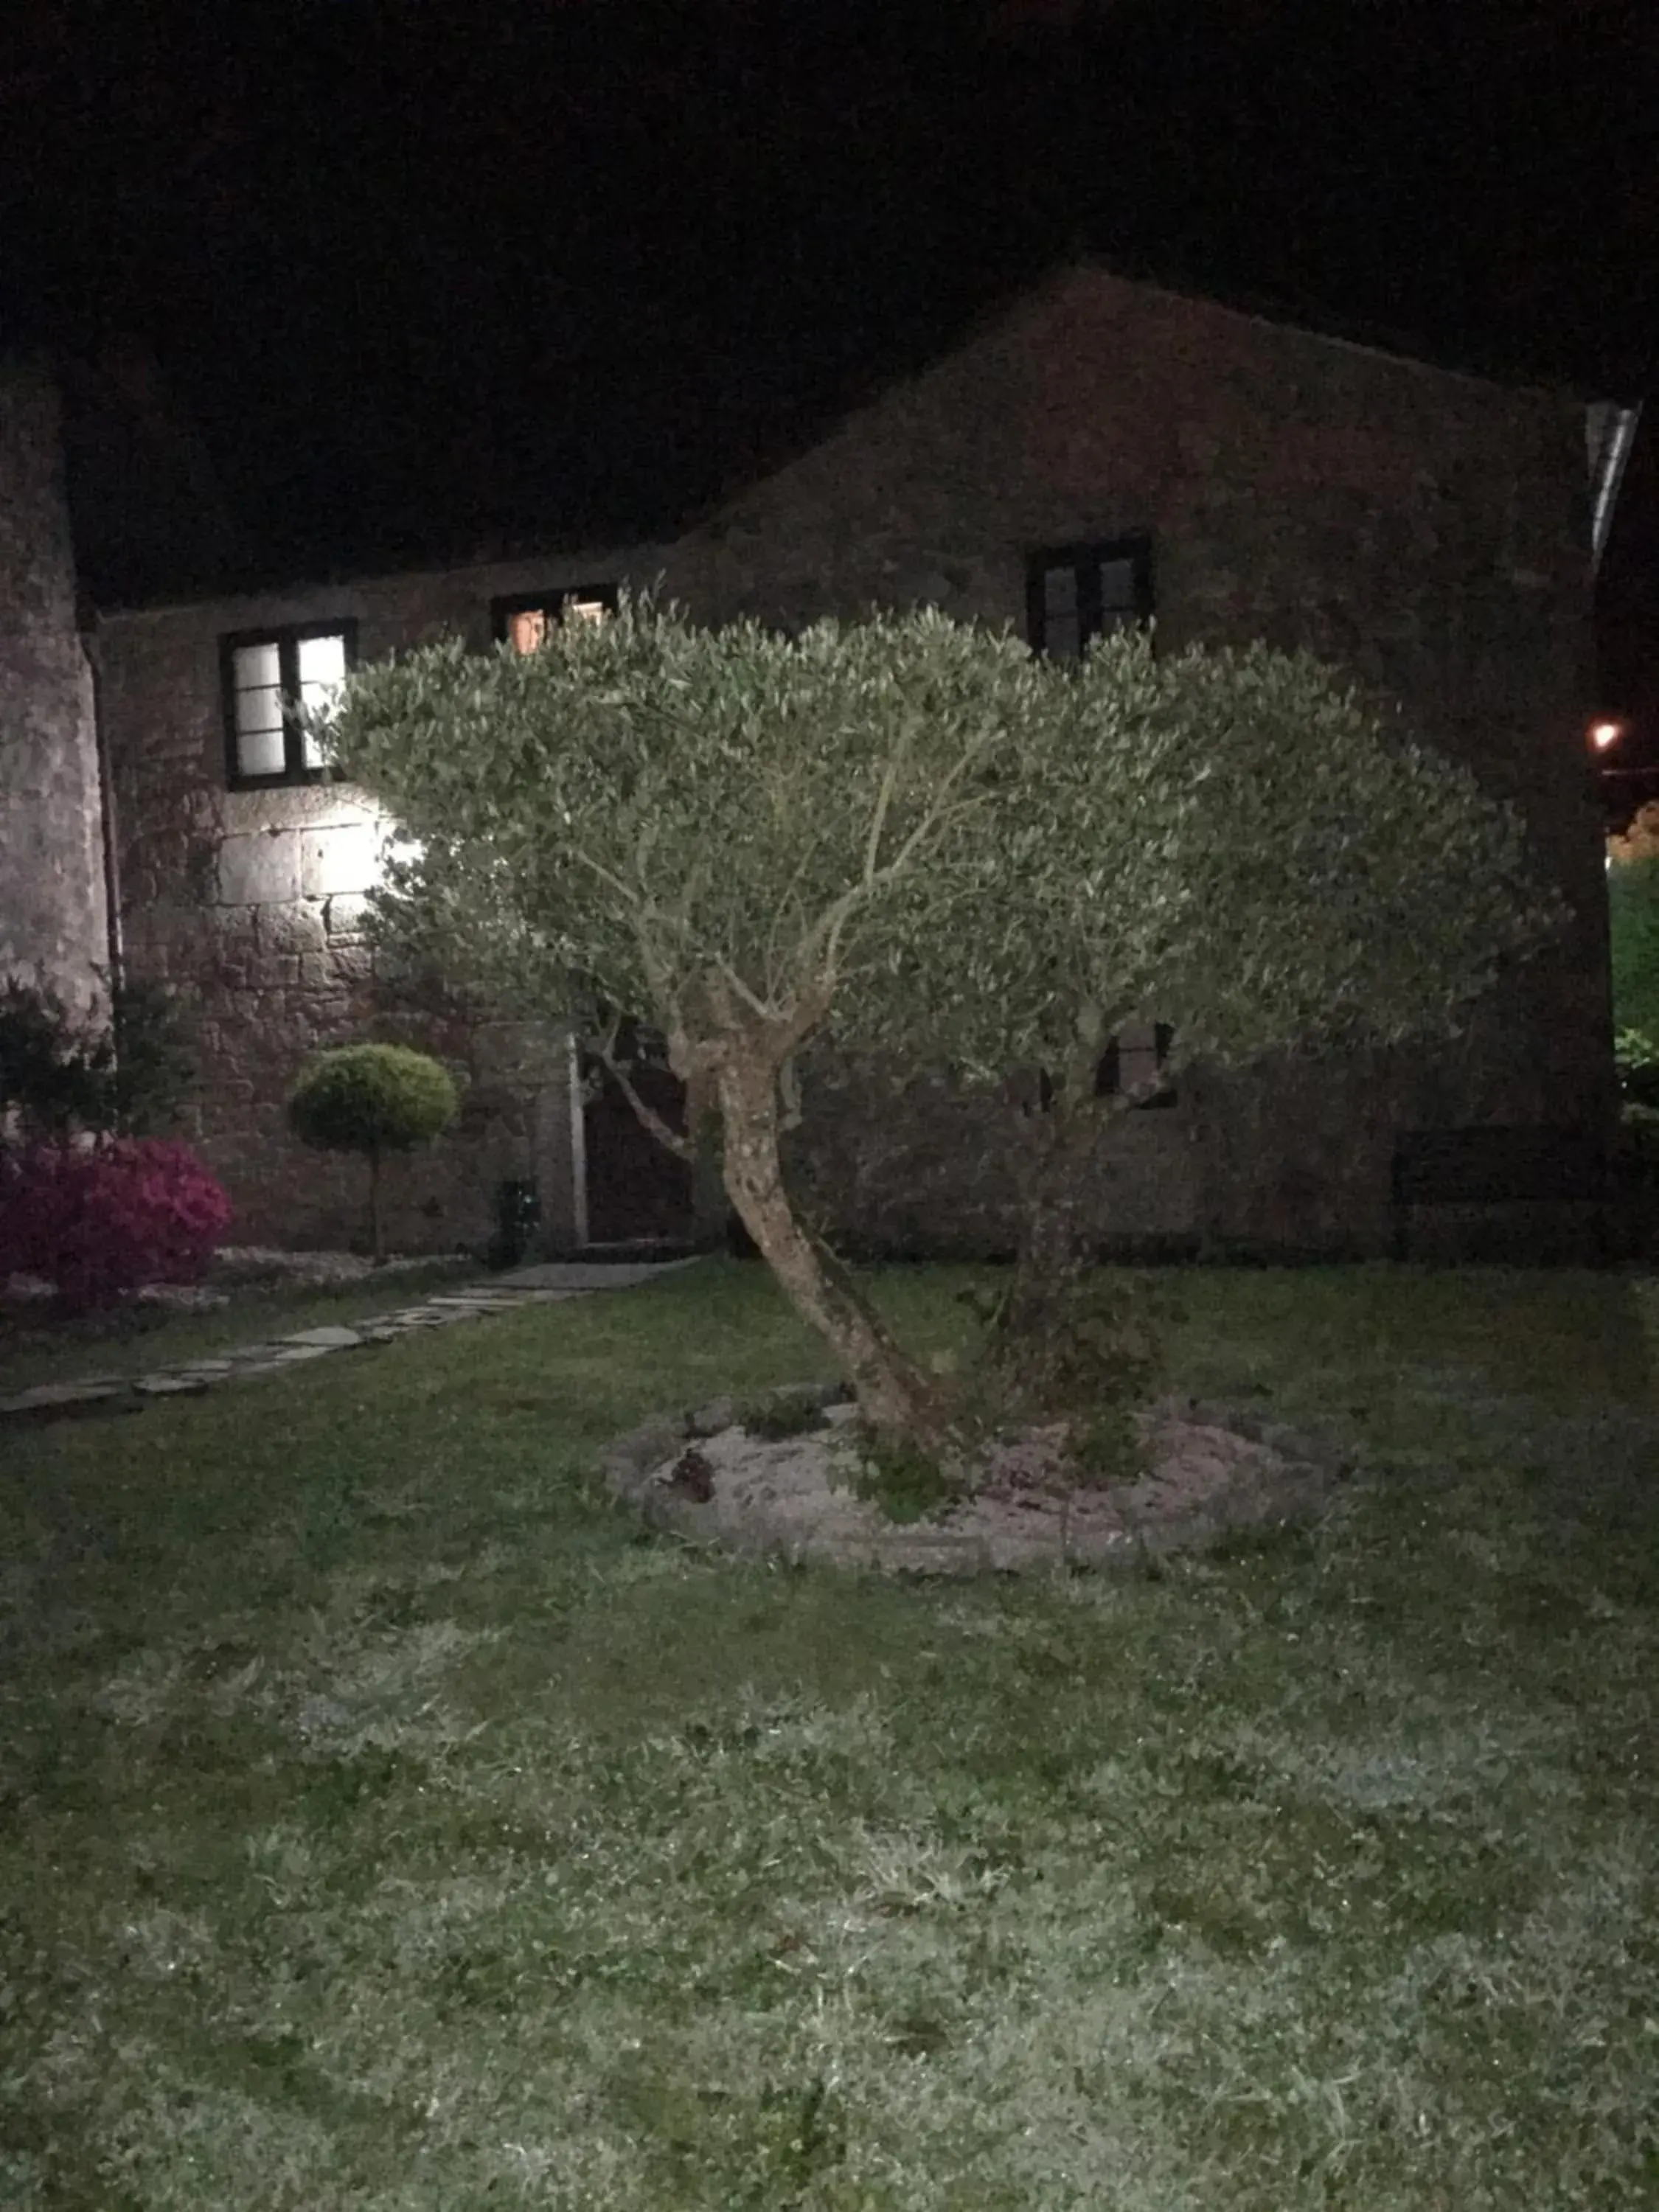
(100, 1222)
(372, 1099)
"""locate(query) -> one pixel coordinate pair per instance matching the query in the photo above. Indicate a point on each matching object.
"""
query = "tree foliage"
(100, 1222)
(1633, 925)
(705, 825)
(642, 812)
(1633, 928)
(909, 836)
(62, 1074)
(1231, 841)
(372, 1099)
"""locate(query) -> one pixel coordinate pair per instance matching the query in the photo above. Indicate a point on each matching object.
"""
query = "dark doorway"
(636, 1188)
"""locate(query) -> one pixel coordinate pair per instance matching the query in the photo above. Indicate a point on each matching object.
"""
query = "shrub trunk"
(374, 1205)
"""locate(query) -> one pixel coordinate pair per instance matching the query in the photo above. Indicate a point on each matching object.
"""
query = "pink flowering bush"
(99, 1224)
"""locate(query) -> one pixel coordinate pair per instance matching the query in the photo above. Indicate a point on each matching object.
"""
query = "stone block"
(349, 963)
(62, 1397)
(344, 857)
(260, 870)
(232, 930)
(343, 916)
(289, 930)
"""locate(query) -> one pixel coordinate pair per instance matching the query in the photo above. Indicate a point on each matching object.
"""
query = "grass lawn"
(386, 1824)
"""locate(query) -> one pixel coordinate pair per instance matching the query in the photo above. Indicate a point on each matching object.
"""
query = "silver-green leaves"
(983, 859)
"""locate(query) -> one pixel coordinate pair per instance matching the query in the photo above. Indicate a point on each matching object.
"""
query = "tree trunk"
(374, 1206)
(893, 1396)
(1052, 1251)
(709, 1205)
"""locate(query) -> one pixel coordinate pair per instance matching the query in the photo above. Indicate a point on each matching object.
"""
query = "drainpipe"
(1610, 472)
(87, 625)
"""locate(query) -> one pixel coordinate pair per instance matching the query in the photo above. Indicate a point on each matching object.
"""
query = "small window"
(264, 673)
(1136, 1055)
(1136, 1052)
(1077, 593)
(523, 620)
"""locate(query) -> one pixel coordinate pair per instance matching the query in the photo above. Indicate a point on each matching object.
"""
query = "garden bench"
(1496, 1164)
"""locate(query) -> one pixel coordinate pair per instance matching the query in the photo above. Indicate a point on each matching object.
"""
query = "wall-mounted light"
(1606, 733)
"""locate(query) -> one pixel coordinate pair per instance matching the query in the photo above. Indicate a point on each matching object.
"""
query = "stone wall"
(251, 902)
(53, 910)
(1427, 530)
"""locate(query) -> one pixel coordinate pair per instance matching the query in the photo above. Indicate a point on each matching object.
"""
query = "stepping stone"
(46, 1395)
(249, 1362)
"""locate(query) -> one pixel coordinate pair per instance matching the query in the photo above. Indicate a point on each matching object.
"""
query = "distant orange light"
(1603, 734)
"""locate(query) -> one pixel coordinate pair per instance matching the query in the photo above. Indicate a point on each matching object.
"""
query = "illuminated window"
(264, 672)
(523, 622)
(1077, 593)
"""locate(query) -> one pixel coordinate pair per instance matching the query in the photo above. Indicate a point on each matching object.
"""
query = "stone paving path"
(544, 1285)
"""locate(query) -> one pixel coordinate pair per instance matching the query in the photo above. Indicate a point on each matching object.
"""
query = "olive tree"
(910, 837)
(709, 825)
(1231, 841)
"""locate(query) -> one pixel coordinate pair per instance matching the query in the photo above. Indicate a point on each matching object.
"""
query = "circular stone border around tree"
(1214, 1471)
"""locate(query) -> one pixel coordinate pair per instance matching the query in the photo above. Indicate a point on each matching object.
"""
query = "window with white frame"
(1074, 593)
(524, 620)
(269, 674)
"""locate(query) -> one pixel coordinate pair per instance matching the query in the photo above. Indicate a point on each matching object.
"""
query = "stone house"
(1098, 451)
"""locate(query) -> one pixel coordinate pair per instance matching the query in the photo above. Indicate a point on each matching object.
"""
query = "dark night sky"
(427, 279)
